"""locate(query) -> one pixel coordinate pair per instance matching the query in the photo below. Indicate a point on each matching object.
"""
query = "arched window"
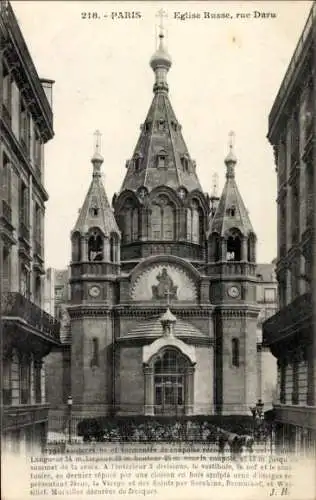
(251, 248)
(162, 159)
(235, 352)
(114, 248)
(162, 220)
(95, 352)
(76, 247)
(95, 247)
(234, 248)
(195, 223)
(168, 222)
(156, 222)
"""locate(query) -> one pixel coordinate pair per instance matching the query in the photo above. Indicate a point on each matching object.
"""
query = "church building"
(163, 311)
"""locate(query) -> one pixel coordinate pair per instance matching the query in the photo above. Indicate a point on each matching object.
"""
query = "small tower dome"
(161, 58)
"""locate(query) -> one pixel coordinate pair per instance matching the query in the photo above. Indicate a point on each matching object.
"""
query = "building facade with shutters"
(290, 333)
(28, 332)
(163, 310)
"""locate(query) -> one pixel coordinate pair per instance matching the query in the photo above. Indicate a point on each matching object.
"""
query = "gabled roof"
(231, 211)
(96, 210)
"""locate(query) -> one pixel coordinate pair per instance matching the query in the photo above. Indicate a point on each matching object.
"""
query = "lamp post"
(258, 417)
(69, 404)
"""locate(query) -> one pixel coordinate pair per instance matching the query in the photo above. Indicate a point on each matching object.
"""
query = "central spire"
(161, 60)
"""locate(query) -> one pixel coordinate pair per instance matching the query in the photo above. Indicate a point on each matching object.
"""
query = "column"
(144, 216)
(149, 390)
(84, 248)
(223, 249)
(244, 249)
(182, 224)
(106, 249)
(189, 392)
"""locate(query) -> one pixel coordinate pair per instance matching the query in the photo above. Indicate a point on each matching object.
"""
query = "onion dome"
(161, 58)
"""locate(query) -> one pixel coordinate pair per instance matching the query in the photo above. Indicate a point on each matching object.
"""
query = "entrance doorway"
(170, 383)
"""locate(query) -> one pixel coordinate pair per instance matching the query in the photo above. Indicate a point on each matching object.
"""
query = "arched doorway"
(170, 369)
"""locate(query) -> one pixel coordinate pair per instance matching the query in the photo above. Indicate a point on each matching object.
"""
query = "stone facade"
(28, 332)
(163, 308)
(290, 334)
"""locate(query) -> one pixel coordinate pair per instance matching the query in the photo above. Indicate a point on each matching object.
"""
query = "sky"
(225, 76)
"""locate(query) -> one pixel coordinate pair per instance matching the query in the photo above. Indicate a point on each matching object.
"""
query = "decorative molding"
(177, 277)
(168, 341)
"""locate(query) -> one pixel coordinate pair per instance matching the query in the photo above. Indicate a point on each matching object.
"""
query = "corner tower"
(232, 270)
(95, 264)
(161, 208)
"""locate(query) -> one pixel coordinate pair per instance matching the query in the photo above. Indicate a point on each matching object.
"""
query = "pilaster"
(149, 390)
(189, 396)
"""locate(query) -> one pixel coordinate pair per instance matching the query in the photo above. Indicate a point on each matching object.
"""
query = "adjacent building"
(267, 300)
(28, 332)
(290, 333)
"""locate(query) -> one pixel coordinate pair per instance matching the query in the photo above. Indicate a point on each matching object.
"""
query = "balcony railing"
(287, 319)
(24, 231)
(21, 415)
(13, 304)
(6, 211)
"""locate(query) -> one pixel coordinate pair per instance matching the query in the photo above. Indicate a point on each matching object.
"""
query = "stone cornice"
(149, 310)
(84, 310)
(240, 311)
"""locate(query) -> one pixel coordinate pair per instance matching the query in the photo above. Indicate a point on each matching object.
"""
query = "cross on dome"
(161, 60)
(97, 158)
(161, 14)
(97, 134)
(231, 142)
(231, 159)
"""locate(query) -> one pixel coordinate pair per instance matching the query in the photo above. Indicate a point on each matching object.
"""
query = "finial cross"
(97, 134)
(231, 141)
(161, 14)
(168, 295)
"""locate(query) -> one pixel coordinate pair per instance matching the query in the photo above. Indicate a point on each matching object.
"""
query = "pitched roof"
(231, 211)
(96, 210)
(161, 135)
(152, 328)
